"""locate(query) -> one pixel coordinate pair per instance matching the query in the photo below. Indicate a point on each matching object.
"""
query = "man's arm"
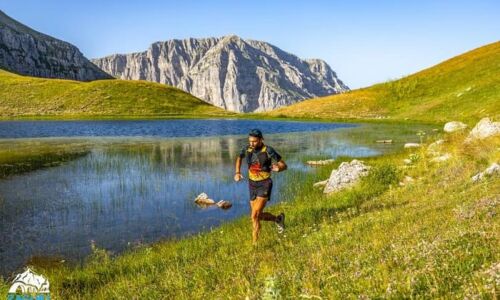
(237, 175)
(280, 164)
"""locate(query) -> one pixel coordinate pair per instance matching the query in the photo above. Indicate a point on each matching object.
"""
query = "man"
(259, 158)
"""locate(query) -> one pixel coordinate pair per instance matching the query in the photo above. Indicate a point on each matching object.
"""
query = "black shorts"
(261, 188)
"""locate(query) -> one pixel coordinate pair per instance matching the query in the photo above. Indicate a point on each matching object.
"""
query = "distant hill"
(229, 72)
(466, 87)
(25, 97)
(26, 51)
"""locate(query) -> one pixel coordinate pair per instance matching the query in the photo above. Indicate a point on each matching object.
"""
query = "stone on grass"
(441, 158)
(454, 126)
(484, 129)
(406, 180)
(412, 145)
(346, 175)
(494, 169)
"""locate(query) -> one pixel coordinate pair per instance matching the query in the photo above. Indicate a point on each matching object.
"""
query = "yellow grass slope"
(466, 87)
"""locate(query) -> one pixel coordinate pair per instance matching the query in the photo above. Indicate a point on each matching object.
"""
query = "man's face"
(254, 142)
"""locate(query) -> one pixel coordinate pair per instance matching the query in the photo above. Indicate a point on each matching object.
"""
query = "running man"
(259, 158)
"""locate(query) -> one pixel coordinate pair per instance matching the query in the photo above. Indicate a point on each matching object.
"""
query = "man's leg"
(258, 214)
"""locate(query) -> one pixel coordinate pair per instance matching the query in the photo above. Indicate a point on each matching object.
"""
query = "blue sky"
(365, 42)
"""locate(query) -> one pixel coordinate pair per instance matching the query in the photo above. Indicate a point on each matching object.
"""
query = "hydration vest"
(263, 169)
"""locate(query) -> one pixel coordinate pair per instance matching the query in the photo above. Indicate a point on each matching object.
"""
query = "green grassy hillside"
(466, 87)
(436, 236)
(30, 97)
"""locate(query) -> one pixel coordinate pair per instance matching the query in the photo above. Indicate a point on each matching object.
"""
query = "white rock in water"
(346, 175)
(203, 199)
(454, 126)
(484, 129)
(412, 145)
(224, 204)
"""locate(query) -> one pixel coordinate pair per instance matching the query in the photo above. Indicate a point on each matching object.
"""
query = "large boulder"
(346, 175)
(484, 129)
(454, 126)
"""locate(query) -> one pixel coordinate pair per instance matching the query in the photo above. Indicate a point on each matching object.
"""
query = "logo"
(29, 286)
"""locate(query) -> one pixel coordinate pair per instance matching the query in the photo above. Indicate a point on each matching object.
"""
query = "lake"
(138, 179)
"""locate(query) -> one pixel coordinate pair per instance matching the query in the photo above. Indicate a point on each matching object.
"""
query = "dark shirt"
(259, 161)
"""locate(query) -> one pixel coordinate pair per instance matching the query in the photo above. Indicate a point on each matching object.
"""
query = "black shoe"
(280, 223)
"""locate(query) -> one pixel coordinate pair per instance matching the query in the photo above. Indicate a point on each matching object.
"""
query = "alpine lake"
(66, 186)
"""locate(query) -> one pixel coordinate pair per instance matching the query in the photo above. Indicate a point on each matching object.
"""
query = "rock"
(28, 52)
(490, 171)
(406, 180)
(203, 199)
(484, 129)
(441, 158)
(454, 126)
(228, 72)
(412, 145)
(436, 144)
(434, 147)
(224, 204)
(346, 175)
(320, 184)
(320, 162)
(384, 141)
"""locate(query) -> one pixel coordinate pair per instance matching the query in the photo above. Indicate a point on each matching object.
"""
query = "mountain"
(465, 87)
(229, 72)
(32, 97)
(26, 51)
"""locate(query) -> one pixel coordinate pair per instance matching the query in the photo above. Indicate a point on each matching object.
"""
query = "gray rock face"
(346, 175)
(228, 72)
(484, 129)
(28, 52)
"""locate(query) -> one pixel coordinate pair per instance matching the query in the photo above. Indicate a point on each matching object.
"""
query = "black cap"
(255, 133)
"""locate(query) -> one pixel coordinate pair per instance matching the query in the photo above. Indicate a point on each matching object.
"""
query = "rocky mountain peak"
(29, 52)
(229, 72)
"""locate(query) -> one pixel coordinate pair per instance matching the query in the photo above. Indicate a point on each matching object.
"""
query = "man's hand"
(279, 166)
(238, 177)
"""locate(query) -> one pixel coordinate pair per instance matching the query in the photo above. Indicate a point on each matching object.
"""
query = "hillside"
(29, 97)
(466, 87)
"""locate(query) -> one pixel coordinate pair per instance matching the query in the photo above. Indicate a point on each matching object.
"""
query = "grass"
(436, 237)
(24, 97)
(448, 91)
(31, 155)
